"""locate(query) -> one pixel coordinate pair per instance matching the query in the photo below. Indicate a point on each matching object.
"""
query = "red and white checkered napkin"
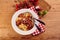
(40, 25)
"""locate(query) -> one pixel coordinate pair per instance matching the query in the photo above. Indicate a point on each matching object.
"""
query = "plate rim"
(13, 22)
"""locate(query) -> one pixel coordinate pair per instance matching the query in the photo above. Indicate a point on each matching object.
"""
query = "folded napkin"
(40, 25)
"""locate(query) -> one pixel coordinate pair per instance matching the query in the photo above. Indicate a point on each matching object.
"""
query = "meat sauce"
(25, 21)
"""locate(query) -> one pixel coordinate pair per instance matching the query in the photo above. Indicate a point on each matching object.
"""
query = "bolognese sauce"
(25, 21)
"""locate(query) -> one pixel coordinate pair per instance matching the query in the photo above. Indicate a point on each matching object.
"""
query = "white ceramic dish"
(13, 21)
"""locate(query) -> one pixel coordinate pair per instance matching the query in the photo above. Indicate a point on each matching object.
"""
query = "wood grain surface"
(52, 20)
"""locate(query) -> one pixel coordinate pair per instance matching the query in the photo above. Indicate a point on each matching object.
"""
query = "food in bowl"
(24, 21)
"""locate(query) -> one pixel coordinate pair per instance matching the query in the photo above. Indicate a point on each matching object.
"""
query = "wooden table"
(52, 20)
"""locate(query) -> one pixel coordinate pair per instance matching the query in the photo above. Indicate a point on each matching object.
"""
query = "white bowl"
(13, 21)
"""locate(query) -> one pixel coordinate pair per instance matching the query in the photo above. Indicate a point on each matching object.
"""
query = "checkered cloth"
(40, 25)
